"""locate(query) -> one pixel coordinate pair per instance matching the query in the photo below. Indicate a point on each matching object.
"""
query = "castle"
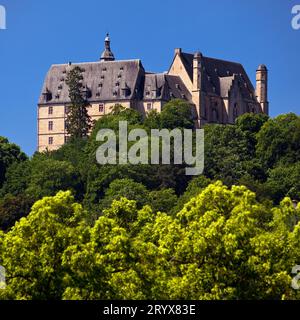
(217, 90)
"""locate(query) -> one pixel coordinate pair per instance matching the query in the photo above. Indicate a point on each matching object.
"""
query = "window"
(101, 108)
(50, 125)
(235, 111)
(50, 110)
(149, 106)
(67, 109)
(215, 116)
(67, 138)
(50, 140)
(66, 125)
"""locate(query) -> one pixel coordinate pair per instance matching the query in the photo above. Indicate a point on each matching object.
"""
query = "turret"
(197, 78)
(107, 55)
(262, 87)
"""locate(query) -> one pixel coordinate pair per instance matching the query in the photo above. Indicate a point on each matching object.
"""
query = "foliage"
(278, 141)
(176, 114)
(78, 122)
(222, 245)
(9, 153)
(50, 176)
(127, 188)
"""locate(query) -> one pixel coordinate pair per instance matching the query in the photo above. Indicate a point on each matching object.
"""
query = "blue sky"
(41, 33)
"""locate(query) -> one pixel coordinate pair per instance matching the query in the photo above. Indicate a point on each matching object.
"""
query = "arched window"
(215, 116)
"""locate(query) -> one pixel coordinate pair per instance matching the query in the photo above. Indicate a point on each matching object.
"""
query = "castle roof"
(214, 70)
(104, 80)
(113, 81)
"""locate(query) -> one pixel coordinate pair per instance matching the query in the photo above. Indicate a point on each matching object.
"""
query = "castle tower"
(262, 87)
(197, 78)
(107, 55)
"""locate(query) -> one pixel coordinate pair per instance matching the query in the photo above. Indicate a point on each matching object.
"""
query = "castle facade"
(217, 90)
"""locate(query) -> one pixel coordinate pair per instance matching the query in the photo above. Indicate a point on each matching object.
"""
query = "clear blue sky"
(41, 33)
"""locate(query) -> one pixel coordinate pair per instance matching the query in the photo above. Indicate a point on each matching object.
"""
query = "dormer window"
(119, 76)
(102, 77)
(47, 95)
(121, 68)
(117, 83)
(60, 87)
(177, 86)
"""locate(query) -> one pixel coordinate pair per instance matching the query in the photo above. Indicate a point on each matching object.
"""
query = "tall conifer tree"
(78, 122)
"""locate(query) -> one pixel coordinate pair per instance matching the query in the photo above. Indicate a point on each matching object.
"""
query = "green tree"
(12, 208)
(162, 200)
(127, 188)
(222, 245)
(9, 153)
(226, 153)
(177, 114)
(284, 181)
(32, 251)
(50, 176)
(278, 141)
(78, 122)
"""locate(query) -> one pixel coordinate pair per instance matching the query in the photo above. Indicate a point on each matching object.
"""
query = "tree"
(195, 186)
(162, 200)
(125, 188)
(177, 114)
(278, 141)
(222, 245)
(78, 122)
(50, 176)
(32, 251)
(9, 153)
(226, 153)
(284, 181)
(250, 124)
(13, 208)
(17, 178)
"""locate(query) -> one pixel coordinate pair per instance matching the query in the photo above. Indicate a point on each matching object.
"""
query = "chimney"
(262, 87)
(177, 51)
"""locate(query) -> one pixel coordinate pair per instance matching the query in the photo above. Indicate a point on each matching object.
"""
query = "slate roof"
(214, 70)
(165, 87)
(104, 80)
(113, 81)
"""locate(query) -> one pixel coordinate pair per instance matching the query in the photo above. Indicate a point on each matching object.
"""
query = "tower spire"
(107, 55)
